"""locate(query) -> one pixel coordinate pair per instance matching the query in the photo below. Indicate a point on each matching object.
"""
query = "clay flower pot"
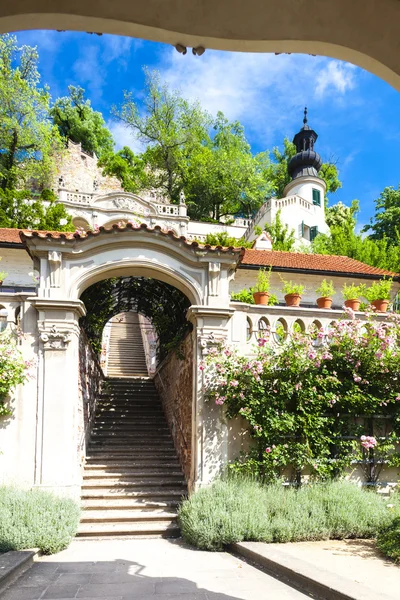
(380, 305)
(261, 298)
(324, 302)
(292, 299)
(354, 303)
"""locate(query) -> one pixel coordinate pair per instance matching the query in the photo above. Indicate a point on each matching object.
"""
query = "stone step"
(126, 465)
(136, 425)
(132, 504)
(143, 484)
(130, 435)
(124, 515)
(128, 452)
(151, 494)
(130, 475)
(150, 528)
(116, 443)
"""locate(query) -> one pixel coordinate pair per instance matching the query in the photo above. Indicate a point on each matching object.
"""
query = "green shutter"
(313, 233)
(302, 229)
(316, 197)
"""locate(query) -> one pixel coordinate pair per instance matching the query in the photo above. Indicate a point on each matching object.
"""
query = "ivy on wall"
(164, 305)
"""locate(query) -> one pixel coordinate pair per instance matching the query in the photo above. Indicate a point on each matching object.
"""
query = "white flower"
(63, 222)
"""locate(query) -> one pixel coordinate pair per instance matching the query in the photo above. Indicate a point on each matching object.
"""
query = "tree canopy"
(77, 121)
(385, 222)
(28, 138)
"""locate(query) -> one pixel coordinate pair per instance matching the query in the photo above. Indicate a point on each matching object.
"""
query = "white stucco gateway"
(68, 264)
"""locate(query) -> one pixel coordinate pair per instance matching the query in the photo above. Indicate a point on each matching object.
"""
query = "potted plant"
(3, 275)
(351, 294)
(378, 294)
(261, 289)
(325, 293)
(292, 292)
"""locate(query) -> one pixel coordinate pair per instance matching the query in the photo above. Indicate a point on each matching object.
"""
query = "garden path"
(149, 569)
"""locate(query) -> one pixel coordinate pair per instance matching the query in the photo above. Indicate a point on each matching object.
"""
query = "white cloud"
(92, 66)
(124, 136)
(335, 77)
(265, 92)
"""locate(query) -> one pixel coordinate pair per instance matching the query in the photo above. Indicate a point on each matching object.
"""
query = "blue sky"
(355, 114)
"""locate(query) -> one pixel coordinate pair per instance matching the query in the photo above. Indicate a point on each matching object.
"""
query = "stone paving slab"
(145, 570)
(333, 569)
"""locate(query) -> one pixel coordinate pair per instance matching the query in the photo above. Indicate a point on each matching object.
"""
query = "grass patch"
(238, 510)
(36, 519)
(388, 540)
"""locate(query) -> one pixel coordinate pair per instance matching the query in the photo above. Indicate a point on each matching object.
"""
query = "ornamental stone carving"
(214, 270)
(55, 260)
(125, 203)
(54, 339)
(206, 342)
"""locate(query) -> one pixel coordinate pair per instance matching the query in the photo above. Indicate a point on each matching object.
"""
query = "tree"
(276, 170)
(385, 222)
(344, 241)
(127, 167)
(28, 139)
(77, 121)
(18, 209)
(171, 127)
(282, 237)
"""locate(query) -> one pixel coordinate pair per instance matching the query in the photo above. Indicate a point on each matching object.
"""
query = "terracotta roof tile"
(10, 236)
(309, 262)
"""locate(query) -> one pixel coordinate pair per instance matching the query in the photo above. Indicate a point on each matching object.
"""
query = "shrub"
(352, 292)
(326, 289)
(379, 290)
(263, 281)
(388, 540)
(13, 369)
(243, 295)
(311, 401)
(240, 509)
(36, 519)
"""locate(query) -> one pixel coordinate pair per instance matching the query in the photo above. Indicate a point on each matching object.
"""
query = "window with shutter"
(316, 197)
(313, 233)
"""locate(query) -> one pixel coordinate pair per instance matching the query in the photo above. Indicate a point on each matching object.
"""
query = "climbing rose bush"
(13, 369)
(315, 403)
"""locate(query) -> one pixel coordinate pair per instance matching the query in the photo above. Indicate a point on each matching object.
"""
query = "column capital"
(53, 304)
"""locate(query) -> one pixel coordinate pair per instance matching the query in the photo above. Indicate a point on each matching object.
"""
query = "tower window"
(313, 233)
(316, 197)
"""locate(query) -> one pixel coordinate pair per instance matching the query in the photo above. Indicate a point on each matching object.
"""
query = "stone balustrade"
(275, 323)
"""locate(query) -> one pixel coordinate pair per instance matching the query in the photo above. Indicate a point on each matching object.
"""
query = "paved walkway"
(145, 570)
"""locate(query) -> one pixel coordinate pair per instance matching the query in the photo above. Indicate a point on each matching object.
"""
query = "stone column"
(57, 445)
(209, 428)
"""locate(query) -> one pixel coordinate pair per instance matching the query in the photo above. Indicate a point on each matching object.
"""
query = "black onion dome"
(306, 161)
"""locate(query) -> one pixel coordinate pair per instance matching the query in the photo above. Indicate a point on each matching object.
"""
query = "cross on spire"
(305, 115)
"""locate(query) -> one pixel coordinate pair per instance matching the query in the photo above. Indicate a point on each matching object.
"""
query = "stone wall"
(80, 173)
(90, 381)
(174, 382)
(18, 264)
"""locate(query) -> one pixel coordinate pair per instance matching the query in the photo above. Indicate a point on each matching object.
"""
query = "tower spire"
(306, 161)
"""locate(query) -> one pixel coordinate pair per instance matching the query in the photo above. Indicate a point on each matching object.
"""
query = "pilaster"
(56, 456)
(209, 428)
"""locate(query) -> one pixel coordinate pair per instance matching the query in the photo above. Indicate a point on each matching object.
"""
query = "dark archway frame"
(164, 305)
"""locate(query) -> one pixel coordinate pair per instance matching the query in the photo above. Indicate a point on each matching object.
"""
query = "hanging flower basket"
(354, 304)
(261, 298)
(324, 302)
(292, 299)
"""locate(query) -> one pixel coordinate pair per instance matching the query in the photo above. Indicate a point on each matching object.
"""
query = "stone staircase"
(132, 481)
(126, 357)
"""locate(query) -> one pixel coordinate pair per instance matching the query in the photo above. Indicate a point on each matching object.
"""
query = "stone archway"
(70, 263)
(365, 34)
